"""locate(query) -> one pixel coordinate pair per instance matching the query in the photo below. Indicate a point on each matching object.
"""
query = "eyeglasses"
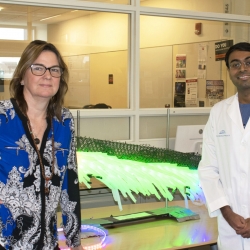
(238, 64)
(39, 70)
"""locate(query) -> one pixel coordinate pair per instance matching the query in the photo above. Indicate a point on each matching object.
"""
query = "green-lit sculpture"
(130, 168)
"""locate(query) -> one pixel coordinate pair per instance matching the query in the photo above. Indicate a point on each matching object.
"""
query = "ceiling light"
(49, 17)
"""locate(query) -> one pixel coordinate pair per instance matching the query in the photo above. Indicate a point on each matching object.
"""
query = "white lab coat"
(224, 169)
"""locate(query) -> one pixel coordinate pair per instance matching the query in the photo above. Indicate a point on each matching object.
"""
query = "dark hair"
(102, 106)
(29, 55)
(243, 46)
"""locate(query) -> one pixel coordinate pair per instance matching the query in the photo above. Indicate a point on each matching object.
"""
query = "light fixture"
(49, 17)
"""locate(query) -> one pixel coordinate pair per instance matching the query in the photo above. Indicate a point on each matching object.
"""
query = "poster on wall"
(180, 73)
(180, 82)
(181, 61)
(180, 66)
(191, 92)
(202, 61)
(179, 95)
(221, 49)
(214, 91)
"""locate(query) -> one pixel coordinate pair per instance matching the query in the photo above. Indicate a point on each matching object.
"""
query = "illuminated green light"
(138, 169)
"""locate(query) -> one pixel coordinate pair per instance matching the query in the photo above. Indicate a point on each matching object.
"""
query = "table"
(95, 183)
(154, 234)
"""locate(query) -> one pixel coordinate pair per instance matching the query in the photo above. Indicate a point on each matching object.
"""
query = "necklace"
(36, 142)
(36, 139)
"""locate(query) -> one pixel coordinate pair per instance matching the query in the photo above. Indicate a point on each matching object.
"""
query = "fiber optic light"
(146, 178)
(128, 168)
(99, 233)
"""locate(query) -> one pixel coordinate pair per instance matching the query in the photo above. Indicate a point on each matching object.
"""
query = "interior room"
(156, 65)
(140, 55)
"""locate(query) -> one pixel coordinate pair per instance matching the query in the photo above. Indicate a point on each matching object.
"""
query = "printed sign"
(221, 49)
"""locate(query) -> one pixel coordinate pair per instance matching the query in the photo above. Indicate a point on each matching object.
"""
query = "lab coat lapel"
(234, 111)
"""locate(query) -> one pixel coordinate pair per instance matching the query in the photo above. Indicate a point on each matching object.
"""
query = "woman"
(37, 155)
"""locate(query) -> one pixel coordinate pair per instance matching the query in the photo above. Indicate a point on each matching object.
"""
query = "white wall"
(93, 33)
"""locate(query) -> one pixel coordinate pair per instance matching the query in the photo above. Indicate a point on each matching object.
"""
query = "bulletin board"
(215, 70)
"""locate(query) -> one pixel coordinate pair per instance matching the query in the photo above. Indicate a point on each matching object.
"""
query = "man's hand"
(245, 232)
(237, 222)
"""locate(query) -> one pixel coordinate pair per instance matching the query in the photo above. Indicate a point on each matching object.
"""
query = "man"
(224, 169)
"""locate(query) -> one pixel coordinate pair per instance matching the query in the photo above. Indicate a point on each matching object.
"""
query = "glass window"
(179, 67)
(13, 34)
(156, 77)
(239, 7)
(7, 66)
(105, 128)
(153, 127)
(93, 44)
(109, 1)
